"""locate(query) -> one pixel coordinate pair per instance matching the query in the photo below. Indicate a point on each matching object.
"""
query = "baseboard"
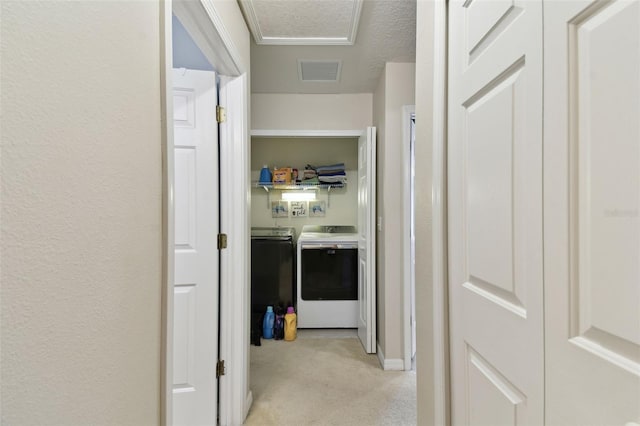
(394, 364)
(247, 405)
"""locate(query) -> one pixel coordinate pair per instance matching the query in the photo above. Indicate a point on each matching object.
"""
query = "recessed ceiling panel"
(303, 22)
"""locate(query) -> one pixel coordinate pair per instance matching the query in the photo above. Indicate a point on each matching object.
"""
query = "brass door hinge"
(222, 241)
(220, 368)
(221, 114)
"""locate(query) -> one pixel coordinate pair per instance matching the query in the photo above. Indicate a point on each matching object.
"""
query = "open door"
(495, 213)
(591, 212)
(195, 300)
(367, 239)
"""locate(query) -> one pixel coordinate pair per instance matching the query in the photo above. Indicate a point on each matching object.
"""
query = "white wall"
(81, 210)
(395, 89)
(311, 112)
(81, 213)
(342, 203)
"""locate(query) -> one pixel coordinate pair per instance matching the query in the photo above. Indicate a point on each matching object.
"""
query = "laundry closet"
(304, 217)
(295, 131)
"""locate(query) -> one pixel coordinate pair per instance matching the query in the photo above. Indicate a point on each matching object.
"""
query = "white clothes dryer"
(327, 277)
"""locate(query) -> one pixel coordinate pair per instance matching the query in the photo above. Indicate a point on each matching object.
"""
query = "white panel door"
(591, 219)
(195, 311)
(367, 239)
(495, 212)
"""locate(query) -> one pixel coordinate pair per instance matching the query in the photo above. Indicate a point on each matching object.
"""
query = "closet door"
(367, 240)
(591, 205)
(495, 212)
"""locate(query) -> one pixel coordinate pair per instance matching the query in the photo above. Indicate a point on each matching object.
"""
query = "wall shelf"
(298, 186)
(268, 187)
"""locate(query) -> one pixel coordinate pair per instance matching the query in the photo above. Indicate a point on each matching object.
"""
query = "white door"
(591, 205)
(367, 239)
(195, 306)
(495, 212)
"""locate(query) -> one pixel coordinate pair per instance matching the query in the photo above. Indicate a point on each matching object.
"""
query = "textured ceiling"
(386, 33)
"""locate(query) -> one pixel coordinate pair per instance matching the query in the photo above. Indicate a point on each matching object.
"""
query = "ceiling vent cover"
(311, 70)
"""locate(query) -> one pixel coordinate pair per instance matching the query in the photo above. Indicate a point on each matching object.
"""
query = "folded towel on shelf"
(330, 169)
(311, 181)
(333, 179)
(332, 173)
(342, 173)
(308, 173)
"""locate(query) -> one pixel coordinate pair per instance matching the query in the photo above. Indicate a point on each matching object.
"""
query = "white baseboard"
(247, 405)
(394, 364)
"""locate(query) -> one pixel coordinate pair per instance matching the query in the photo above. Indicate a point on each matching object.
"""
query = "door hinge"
(222, 241)
(220, 368)
(221, 114)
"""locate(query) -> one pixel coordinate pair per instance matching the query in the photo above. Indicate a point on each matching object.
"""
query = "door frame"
(441, 375)
(407, 112)
(205, 25)
(432, 313)
(352, 134)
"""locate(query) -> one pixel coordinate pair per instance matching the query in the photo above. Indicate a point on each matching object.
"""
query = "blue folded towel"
(330, 169)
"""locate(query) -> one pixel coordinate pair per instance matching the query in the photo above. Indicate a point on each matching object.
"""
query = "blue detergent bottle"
(265, 175)
(267, 323)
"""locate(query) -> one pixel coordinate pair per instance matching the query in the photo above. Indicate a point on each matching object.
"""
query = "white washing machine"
(327, 270)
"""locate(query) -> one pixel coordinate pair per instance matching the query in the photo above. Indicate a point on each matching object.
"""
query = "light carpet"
(326, 381)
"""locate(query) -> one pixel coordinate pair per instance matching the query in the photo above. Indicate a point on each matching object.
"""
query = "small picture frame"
(280, 208)
(299, 208)
(317, 208)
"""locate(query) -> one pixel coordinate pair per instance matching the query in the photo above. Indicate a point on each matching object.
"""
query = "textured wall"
(81, 213)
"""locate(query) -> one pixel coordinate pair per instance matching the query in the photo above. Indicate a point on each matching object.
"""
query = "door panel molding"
(508, 13)
(599, 216)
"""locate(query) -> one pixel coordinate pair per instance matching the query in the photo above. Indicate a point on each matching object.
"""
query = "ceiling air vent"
(310, 70)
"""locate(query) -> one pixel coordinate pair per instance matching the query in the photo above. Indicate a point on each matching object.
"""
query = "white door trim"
(205, 25)
(306, 133)
(432, 364)
(168, 225)
(407, 111)
(441, 385)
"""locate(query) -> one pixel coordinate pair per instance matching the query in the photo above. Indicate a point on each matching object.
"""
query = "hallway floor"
(326, 378)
